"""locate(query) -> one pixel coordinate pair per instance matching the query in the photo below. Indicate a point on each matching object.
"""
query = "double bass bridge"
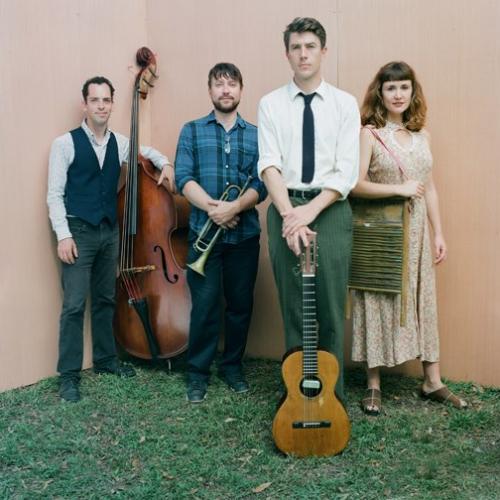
(138, 270)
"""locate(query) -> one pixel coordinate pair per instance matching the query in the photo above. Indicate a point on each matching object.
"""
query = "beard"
(225, 108)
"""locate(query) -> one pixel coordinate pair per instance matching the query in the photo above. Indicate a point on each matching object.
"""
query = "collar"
(91, 135)
(294, 91)
(210, 118)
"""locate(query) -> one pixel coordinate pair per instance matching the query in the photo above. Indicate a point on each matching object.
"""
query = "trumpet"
(204, 246)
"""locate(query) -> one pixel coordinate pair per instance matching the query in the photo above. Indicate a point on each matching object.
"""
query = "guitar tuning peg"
(296, 269)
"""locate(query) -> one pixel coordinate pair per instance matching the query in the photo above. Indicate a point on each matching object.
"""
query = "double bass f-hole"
(164, 265)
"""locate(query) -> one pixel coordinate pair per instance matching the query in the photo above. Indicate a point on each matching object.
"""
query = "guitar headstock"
(308, 257)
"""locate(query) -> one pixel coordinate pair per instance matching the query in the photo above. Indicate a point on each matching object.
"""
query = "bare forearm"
(247, 200)
(323, 200)
(277, 190)
(432, 203)
(197, 196)
(367, 189)
(302, 215)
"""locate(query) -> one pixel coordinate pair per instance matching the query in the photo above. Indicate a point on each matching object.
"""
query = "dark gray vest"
(91, 191)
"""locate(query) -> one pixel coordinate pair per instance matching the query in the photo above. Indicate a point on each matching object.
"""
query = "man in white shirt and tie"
(309, 152)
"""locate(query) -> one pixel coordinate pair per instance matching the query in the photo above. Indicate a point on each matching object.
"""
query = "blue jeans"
(230, 273)
(93, 272)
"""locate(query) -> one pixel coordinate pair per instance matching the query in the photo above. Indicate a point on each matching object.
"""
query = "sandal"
(444, 395)
(372, 399)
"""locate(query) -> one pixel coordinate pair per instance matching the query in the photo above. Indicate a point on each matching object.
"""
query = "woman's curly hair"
(373, 111)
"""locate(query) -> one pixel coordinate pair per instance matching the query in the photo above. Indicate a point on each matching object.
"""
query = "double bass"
(153, 300)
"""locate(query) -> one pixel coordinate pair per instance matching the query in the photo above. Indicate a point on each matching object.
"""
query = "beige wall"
(455, 49)
(48, 48)
(200, 37)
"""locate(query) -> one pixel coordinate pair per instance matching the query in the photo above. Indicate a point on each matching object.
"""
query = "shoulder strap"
(393, 156)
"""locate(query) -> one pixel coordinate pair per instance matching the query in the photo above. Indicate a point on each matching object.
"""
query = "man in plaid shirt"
(213, 153)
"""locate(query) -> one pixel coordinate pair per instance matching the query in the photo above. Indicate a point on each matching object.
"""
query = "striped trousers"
(334, 239)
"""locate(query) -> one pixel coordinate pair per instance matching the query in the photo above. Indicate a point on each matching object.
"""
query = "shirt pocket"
(246, 161)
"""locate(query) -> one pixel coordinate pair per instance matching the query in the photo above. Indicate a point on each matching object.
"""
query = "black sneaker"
(69, 391)
(236, 382)
(119, 370)
(196, 391)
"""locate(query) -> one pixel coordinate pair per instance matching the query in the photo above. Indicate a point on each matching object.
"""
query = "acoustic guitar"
(310, 421)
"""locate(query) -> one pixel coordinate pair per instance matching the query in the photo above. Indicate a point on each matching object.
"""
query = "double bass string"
(125, 231)
(124, 235)
(130, 212)
(133, 192)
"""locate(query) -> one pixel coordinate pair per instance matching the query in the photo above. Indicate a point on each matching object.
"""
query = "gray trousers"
(334, 240)
(94, 274)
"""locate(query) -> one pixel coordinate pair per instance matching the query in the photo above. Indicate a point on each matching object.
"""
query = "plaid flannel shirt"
(215, 159)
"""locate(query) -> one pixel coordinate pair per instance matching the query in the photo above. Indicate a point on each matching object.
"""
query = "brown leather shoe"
(445, 396)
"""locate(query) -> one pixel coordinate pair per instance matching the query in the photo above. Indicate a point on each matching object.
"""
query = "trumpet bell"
(198, 266)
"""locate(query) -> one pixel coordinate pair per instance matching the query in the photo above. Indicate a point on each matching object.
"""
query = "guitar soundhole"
(310, 386)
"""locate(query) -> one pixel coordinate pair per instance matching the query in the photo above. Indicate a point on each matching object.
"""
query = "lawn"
(139, 438)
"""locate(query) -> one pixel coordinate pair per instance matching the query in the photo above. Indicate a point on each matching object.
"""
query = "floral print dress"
(378, 338)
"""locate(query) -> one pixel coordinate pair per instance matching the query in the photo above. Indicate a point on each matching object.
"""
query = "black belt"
(304, 195)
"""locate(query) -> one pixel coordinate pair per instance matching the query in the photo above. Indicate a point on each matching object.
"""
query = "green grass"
(139, 438)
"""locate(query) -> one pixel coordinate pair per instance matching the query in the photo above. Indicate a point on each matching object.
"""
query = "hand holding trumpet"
(224, 213)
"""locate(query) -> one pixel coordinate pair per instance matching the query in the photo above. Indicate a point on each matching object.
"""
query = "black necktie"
(308, 140)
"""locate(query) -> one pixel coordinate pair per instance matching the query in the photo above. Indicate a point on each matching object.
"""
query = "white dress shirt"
(336, 136)
(62, 154)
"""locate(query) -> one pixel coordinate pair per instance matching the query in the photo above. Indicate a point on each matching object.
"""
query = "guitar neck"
(309, 326)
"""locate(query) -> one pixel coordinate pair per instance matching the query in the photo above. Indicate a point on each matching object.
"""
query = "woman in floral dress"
(394, 109)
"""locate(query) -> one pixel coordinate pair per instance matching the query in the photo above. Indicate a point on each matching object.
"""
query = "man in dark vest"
(84, 168)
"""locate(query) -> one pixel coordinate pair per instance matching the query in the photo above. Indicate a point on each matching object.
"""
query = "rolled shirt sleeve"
(256, 184)
(346, 166)
(153, 155)
(184, 159)
(269, 149)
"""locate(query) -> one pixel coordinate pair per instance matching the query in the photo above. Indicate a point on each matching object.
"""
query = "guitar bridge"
(311, 424)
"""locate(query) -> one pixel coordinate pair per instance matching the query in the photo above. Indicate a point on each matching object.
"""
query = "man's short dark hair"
(226, 70)
(302, 25)
(98, 80)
